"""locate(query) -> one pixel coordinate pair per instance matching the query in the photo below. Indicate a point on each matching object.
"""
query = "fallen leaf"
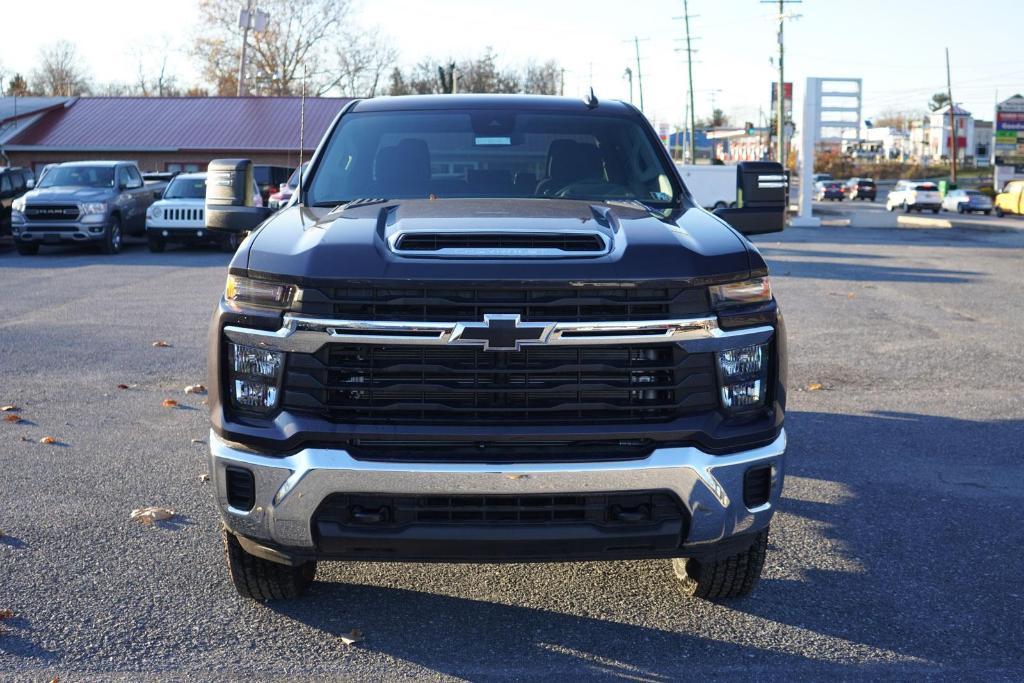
(352, 637)
(9, 409)
(151, 514)
(48, 440)
(6, 614)
(169, 403)
(25, 438)
(161, 344)
(851, 295)
(204, 477)
(195, 389)
(122, 386)
(12, 418)
(814, 386)
(198, 441)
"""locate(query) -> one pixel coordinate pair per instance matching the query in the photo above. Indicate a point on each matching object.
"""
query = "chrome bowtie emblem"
(501, 332)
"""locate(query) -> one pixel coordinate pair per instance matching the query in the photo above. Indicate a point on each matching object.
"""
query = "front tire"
(261, 579)
(112, 237)
(156, 243)
(729, 577)
(935, 210)
(27, 248)
(231, 242)
(999, 212)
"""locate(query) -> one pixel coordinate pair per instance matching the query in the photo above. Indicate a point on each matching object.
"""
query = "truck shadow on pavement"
(885, 554)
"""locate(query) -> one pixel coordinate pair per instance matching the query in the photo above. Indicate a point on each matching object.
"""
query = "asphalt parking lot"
(896, 551)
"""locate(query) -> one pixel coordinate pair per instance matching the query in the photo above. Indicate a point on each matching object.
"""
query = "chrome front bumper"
(289, 489)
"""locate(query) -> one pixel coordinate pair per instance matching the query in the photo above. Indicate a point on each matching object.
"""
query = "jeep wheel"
(27, 248)
(230, 242)
(112, 237)
(156, 243)
(261, 579)
(729, 577)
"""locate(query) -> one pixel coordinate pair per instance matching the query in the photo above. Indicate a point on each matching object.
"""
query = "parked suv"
(539, 350)
(860, 188)
(180, 215)
(91, 202)
(914, 195)
(14, 182)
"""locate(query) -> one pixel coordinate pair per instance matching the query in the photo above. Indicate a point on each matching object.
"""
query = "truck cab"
(1011, 199)
(496, 329)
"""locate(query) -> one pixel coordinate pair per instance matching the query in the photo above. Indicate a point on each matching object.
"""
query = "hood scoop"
(491, 244)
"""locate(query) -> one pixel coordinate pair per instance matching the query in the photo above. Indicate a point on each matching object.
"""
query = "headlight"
(254, 377)
(19, 204)
(154, 212)
(753, 291)
(92, 207)
(259, 292)
(743, 375)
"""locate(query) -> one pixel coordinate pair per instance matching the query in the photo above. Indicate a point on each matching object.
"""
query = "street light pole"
(245, 19)
(952, 124)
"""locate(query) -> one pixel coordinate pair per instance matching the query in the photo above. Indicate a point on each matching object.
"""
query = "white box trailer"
(713, 187)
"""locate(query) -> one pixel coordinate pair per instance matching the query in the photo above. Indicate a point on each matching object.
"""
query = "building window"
(183, 167)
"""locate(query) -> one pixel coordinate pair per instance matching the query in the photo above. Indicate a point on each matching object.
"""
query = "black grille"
(757, 486)
(519, 451)
(241, 488)
(382, 511)
(433, 241)
(561, 304)
(52, 212)
(455, 385)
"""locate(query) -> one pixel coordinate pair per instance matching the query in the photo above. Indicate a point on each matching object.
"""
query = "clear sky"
(896, 47)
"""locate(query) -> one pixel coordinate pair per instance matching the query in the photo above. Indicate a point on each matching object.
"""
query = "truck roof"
(508, 102)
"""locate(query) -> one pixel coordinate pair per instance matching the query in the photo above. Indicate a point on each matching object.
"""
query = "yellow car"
(1011, 199)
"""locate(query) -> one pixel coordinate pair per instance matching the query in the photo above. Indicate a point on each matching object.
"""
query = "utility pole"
(561, 81)
(780, 107)
(639, 73)
(629, 77)
(952, 124)
(689, 68)
(244, 20)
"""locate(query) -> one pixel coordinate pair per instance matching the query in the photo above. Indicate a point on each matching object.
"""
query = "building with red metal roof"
(171, 133)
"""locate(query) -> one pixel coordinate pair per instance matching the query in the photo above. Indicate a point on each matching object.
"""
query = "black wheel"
(935, 210)
(906, 207)
(156, 243)
(999, 212)
(261, 579)
(960, 208)
(27, 248)
(988, 212)
(730, 577)
(111, 243)
(230, 242)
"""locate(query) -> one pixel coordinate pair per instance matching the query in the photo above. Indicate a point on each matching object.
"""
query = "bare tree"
(60, 72)
(543, 79)
(311, 37)
(477, 75)
(363, 64)
(17, 86)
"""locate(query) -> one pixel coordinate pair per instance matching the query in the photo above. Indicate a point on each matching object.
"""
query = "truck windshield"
(491, 154)
(186, 188)
(79, 176)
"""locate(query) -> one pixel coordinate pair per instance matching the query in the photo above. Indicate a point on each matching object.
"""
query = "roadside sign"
(1008, 138)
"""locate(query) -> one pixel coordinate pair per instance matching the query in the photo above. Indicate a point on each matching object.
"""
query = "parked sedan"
(966, 201)
(860, 188)
(828, 189)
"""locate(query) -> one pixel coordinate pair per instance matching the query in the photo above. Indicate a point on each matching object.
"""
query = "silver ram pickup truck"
(91, 202)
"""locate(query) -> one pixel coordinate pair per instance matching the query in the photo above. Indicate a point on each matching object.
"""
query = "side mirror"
(229, 201)
(762, 198)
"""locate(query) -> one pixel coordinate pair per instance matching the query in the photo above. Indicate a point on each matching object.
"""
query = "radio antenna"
(302, 130)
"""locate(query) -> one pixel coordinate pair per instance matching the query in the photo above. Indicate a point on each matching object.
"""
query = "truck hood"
(68, 193)
(303, 244)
